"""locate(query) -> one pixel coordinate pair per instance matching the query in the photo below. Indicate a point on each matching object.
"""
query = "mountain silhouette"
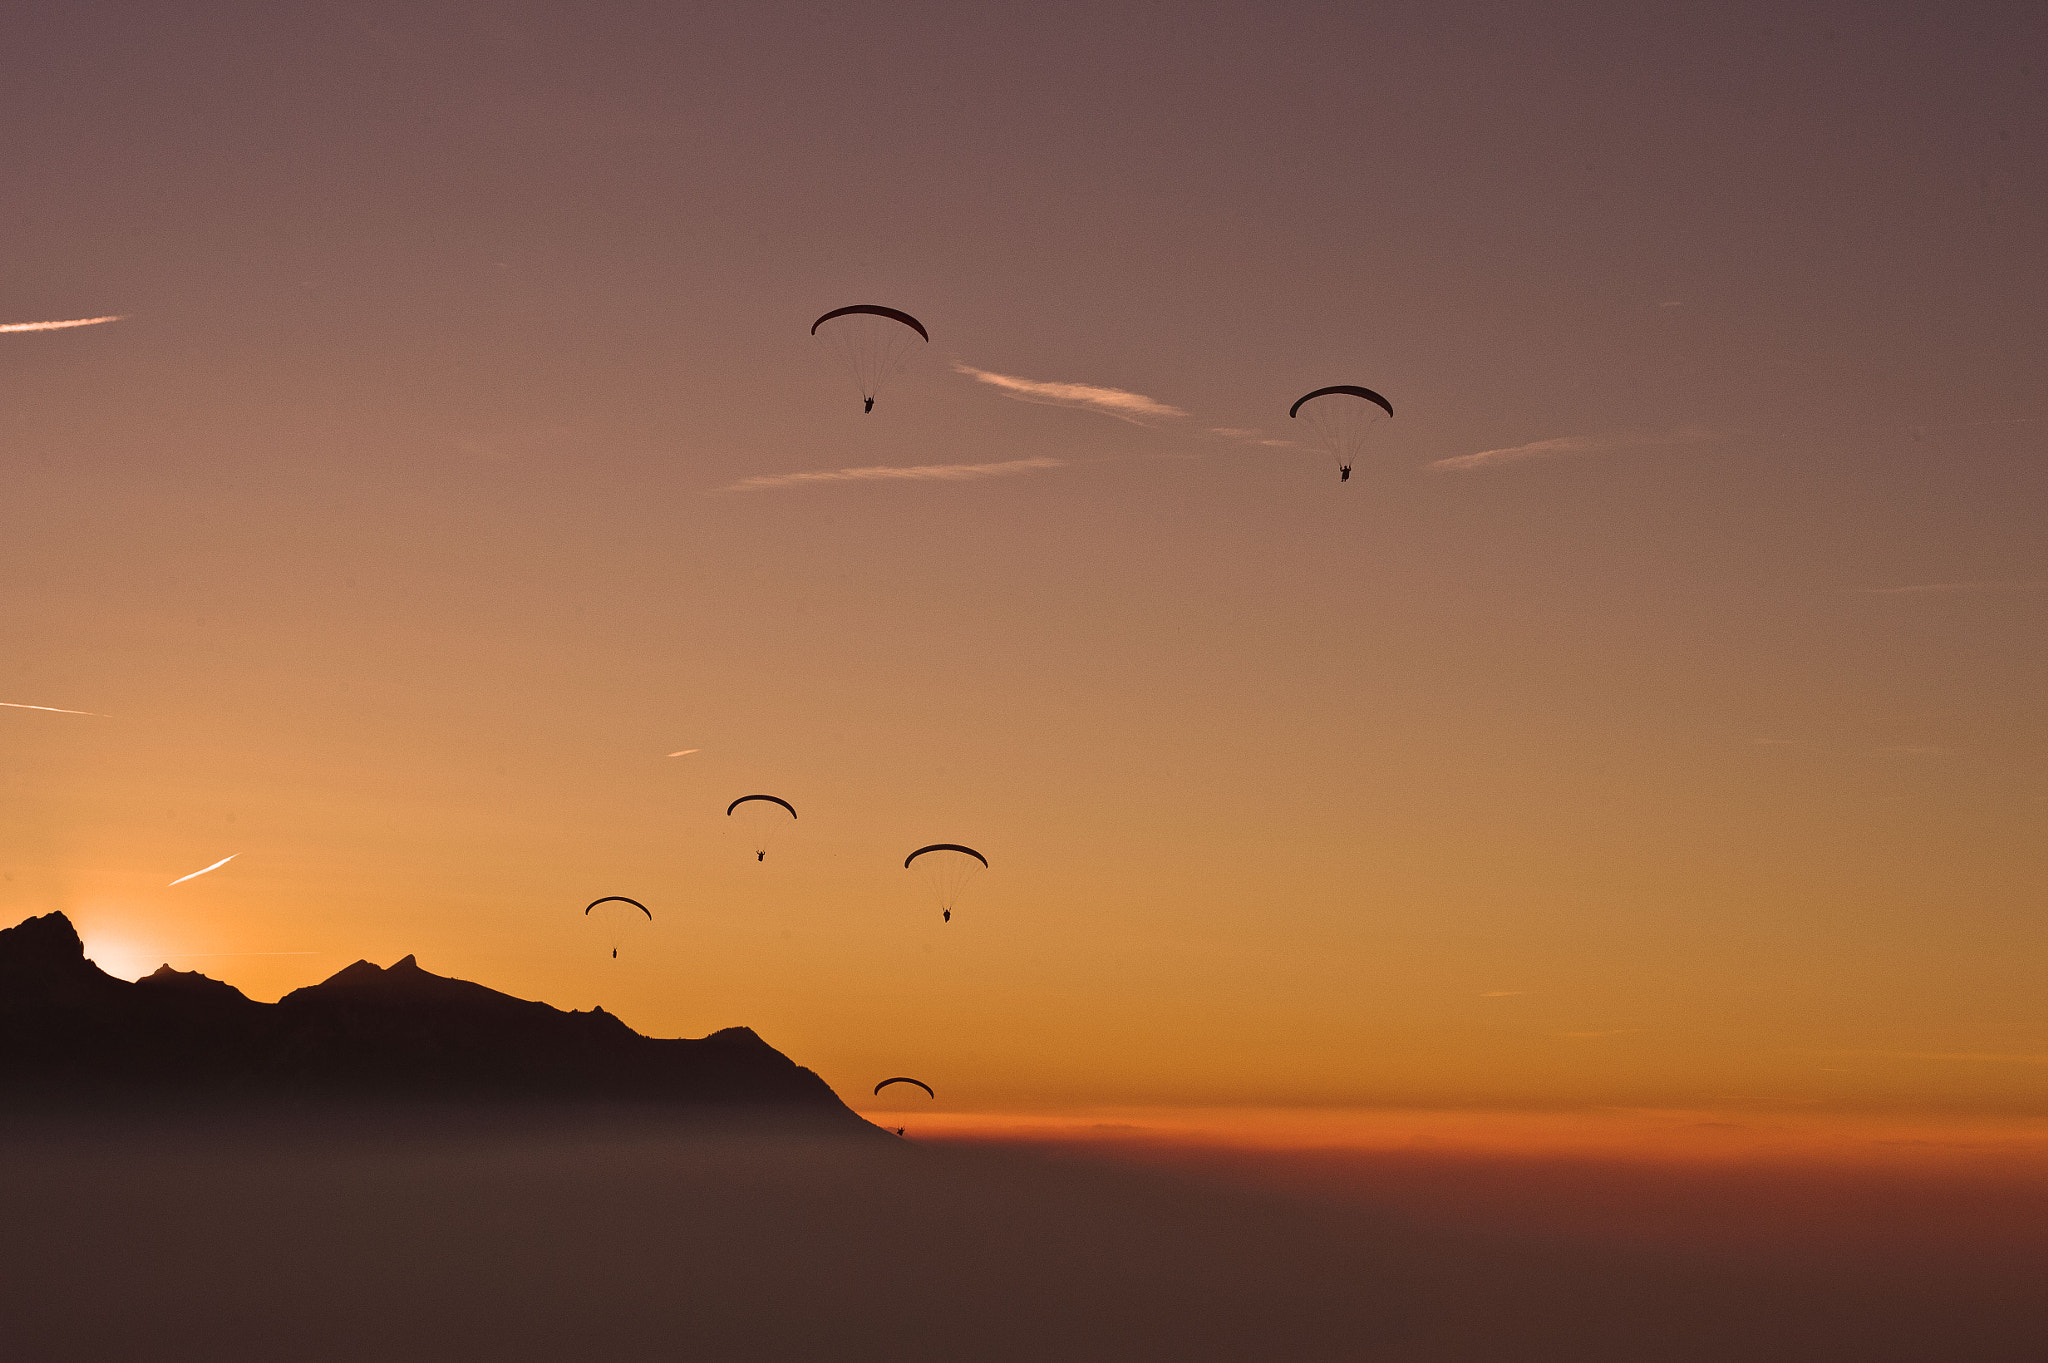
(71, 1033)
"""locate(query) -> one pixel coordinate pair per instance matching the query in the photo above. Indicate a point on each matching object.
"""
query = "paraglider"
(617, 919)
(763, 817)
(905, 1079)
(947, 867)
(873, 340)
(1342, 419)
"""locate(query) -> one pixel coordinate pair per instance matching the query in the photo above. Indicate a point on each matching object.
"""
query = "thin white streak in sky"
(8, 704)
(1972, 425)
(1248, 435)
(204, 869)
(57, 326)
(944, 473)
(1569, 444)
(1132, 407)
(1953, 588)
(1994, 1057)
(685, 752)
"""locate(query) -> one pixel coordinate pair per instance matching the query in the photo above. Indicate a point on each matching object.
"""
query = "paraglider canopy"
(876, 310)
(944, 847)
(872, 340)
(905, 1079)
(1342, 417)
(1351, 389)
(946, 867)
(615, 911)
(764, 817)
(777, 799)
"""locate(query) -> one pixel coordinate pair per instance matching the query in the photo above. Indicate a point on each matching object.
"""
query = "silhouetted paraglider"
(947, 867)
(763, 817)
(617, 919)
(905, 1079)
(873, 340)
(1342, 419)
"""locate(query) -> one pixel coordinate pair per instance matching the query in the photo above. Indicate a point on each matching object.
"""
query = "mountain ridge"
(70, 1033)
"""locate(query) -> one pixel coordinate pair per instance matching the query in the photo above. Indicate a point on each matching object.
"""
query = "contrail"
(948, 473)
(59, 326)
(1932, 588)
(685, 752)
(1116, 402)
(203, 870)
(55, 710)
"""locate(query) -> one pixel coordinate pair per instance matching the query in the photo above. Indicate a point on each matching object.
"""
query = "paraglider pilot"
(945, 915)
(1345, 471)
(870, 404)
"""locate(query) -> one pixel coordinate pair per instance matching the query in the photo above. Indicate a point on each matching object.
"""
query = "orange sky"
(1686, 755)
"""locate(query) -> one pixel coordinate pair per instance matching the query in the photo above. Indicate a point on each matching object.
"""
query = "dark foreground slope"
(71, 1034)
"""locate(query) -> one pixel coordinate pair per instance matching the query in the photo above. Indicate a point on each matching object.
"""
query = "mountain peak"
(404, 984)
(191, 982)
(50, 937)
(42, 960)
(362, 972)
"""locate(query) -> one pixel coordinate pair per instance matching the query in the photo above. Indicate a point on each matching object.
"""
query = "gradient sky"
(1686, 751)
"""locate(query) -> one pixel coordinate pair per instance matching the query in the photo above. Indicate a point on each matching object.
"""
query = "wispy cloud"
(1952, 588)
(1919, 431)
(938, 473)
(1249, 435)
(57, 326)
(1132, 407)
(1992, 1057)
(1571, 444)
(685, 752)
(10, 705)
(204, 869)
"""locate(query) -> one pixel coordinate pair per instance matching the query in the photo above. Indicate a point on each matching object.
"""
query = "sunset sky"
(1654, 720)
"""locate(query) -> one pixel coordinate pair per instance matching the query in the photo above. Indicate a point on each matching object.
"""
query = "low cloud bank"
(633, 1241)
